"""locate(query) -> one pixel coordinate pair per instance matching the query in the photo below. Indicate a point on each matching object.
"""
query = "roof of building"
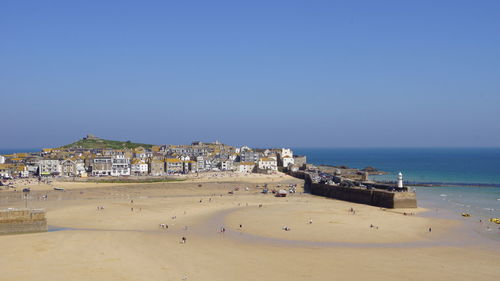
(20, 168)
(267, 159)
(137, 161)
(6, 166)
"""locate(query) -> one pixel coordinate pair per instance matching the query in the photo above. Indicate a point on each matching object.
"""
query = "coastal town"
(177, 212)
(100, 160)
(148, 160)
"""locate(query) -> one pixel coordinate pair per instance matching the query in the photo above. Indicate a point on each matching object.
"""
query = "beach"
(112, 231)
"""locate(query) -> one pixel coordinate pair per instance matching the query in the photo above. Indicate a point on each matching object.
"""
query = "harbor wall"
(373, 197)
(15, 221)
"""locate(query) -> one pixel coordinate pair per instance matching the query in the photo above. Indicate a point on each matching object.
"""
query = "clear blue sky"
(262, 73)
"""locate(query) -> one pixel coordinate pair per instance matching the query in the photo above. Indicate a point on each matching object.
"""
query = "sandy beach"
(325, 241)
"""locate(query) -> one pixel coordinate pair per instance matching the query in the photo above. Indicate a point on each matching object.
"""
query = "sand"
(118, 243)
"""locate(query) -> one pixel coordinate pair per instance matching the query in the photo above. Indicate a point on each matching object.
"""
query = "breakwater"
(373, 196)
(14, 221)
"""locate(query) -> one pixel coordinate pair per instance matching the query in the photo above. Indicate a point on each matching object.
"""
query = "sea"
(468, 178)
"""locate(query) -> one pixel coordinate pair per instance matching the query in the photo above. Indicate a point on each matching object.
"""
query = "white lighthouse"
(400, 180)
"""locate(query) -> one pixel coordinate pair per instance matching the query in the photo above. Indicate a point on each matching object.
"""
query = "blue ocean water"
(448, 165)
(18, 150)
(452, 165)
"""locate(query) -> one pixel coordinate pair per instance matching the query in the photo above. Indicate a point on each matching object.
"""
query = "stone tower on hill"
(90, 137)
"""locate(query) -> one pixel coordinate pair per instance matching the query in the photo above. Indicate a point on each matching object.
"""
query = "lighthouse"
(400, 180)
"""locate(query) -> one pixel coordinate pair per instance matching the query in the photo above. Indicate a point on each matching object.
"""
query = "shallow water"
(450, 202)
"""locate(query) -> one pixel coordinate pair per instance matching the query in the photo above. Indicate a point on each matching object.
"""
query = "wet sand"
(121, 243)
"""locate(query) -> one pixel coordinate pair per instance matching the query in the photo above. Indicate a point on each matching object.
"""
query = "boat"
(466, 215)
(59, 188)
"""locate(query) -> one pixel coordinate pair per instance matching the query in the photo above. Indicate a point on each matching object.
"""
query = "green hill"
(97, 143)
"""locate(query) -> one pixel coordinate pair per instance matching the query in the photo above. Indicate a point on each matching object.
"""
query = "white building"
(32, 168)
(138, 167)
(48, 167)
(244, 148)
(200, 163)
(287, 160)
(143, 154)
(226, 165)
(73, 168)
(68, 168)
(5, 170)
(185, 158)
(268, 163)
(286, 157)
(286, 152)
(245, 167)
(2, 159)
(120, 166)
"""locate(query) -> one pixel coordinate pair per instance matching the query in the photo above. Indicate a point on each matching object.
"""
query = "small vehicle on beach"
(26, 189)
(59, 188)
(495, 220)
(281, 193)
(465, 215)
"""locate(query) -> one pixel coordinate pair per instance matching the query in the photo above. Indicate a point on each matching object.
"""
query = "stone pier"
(375, 197)
(15, 221)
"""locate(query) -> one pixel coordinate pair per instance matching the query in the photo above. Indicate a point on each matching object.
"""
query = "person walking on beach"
(430, 229)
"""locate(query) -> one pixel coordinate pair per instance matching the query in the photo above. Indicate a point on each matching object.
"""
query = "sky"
(259, 73)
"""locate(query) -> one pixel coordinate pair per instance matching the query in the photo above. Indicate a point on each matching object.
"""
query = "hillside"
(97, 143)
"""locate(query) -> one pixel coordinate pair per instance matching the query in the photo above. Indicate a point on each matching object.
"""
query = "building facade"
(101, 166)
(49, 167)
(120, 166)
(245, 167)
(156, 167)
(268, 164)
(138, 167)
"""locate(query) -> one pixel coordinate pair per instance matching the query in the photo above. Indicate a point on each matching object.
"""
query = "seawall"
(373, 197)
(14, 221)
